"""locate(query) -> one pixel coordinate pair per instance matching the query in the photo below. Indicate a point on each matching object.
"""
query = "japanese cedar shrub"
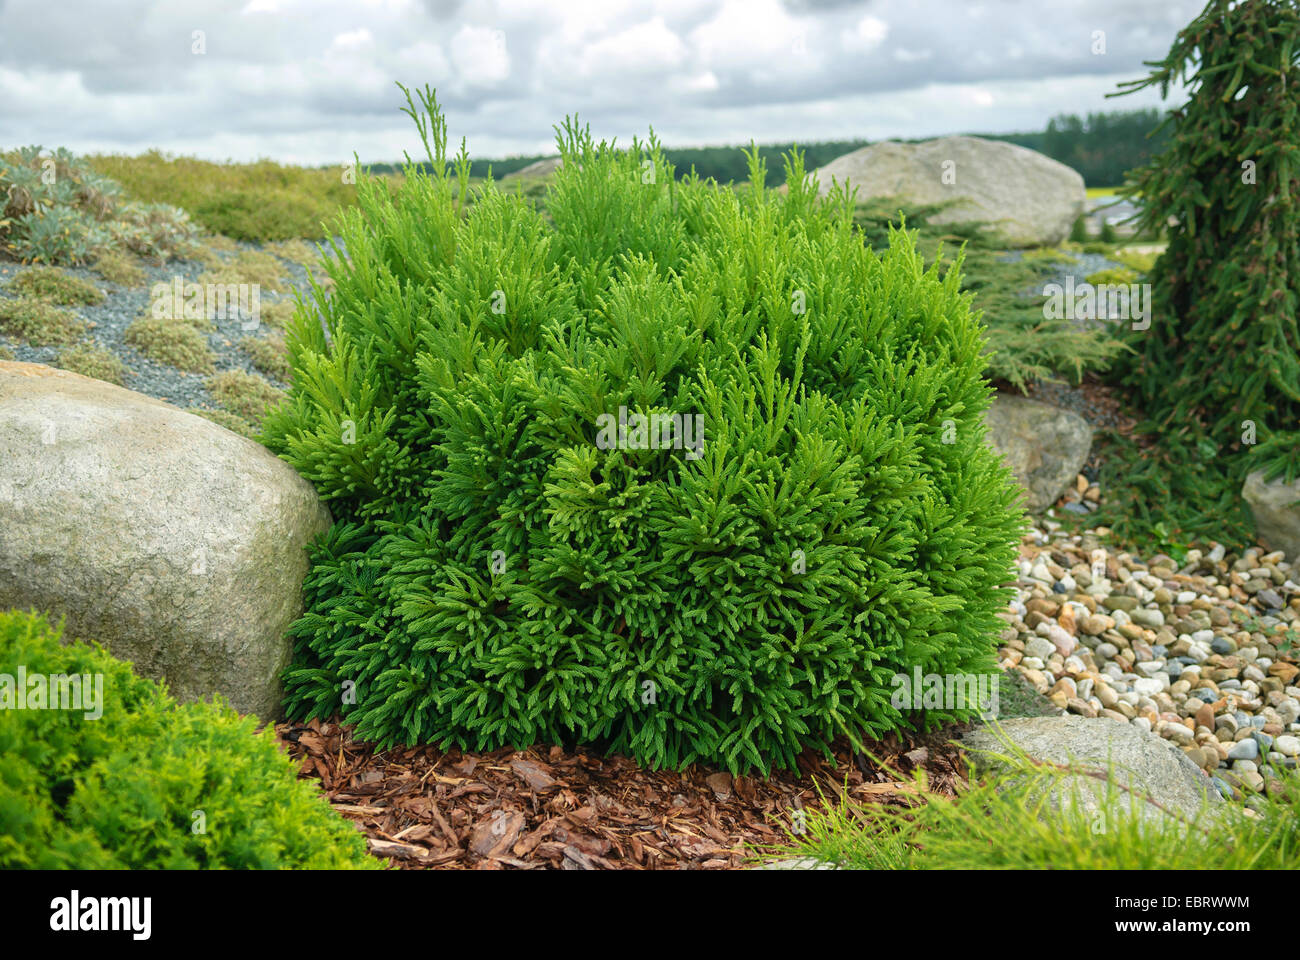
(497, 575)
(120, 776)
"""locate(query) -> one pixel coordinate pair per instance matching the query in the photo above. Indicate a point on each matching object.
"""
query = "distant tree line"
(1101, 146)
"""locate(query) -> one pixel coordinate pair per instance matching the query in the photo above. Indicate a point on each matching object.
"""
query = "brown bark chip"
(551, 808)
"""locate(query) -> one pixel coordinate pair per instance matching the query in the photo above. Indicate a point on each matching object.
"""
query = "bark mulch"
(552, 808)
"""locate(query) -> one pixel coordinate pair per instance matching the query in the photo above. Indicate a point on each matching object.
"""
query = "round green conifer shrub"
(103, 770)
(685, 472)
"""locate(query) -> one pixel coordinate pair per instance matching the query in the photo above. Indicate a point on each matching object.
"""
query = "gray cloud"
(310, 80)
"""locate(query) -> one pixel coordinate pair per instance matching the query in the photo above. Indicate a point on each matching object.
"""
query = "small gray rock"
(1039, 647)
(1270, 598)
(1276, 507)
(1147, 618)
(1246, 749)
(1144, 763)
(1044, 446)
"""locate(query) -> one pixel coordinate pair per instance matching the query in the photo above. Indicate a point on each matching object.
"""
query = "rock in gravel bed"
(1276, 507)
(1044, 446)
(1155, 776)
(1201, 651)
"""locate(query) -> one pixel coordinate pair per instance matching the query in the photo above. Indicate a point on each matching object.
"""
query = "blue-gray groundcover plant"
(678, 470)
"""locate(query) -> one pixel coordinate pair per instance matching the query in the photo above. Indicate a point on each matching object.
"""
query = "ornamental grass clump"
(680, 473)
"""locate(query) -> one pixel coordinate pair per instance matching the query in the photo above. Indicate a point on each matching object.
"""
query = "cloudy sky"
(312, 81)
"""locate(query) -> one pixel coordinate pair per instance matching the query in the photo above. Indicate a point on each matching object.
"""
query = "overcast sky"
(311, 81)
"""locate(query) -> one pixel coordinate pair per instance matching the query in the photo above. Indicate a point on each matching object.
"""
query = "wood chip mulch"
(552, 808)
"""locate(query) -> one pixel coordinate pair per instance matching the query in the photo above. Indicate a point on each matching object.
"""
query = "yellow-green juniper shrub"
(120, 791)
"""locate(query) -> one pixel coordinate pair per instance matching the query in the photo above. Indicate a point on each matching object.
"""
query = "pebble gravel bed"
(123, 305)
(1201, 652)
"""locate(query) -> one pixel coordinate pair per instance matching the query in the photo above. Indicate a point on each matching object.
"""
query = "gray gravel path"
(123, 305)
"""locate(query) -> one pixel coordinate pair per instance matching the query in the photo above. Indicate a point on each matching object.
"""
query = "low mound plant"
(269, 355)
(92, 360)
(120, 268)
(277, 313)
(244, 394)
(103, 770)
(297, 251)
(1142, 263)
(250, 267)
(1121, 276)
(172, 340)
(56, 286)
(682, 473)
(39, 322)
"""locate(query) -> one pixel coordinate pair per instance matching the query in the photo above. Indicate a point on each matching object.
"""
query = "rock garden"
(387, 545)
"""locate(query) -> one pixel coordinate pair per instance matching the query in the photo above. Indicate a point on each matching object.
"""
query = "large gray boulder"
(174, 542)
(1030, 199)
(1276, 507)
(537, 170)
(1044, 446)
(1151, 768)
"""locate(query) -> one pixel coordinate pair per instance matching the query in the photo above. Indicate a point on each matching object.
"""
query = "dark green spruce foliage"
(1224, 343)
(495, 578)
(120, 791)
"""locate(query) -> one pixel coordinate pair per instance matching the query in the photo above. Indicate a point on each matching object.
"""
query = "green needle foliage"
(498, 576)
(1223, 351)
(147, 784)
